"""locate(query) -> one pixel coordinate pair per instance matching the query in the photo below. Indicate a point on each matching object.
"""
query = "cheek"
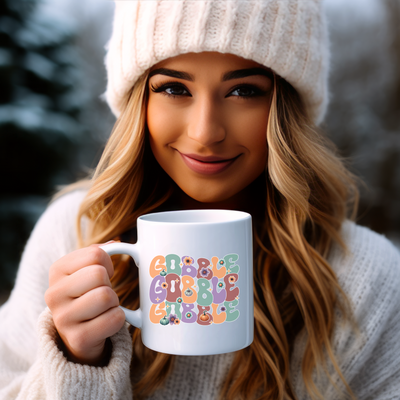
(254, 131)
(251, 129)
(165, 122)
(155, 122)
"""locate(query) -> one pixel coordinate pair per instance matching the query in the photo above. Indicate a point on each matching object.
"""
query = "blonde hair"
(308, 194)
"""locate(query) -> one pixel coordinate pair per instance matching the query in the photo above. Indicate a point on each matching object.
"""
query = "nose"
(206, 125)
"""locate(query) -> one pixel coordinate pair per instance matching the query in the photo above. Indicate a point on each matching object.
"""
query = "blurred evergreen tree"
(363, 118)
(40, 102)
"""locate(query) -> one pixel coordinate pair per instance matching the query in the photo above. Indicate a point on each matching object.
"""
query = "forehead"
(210, 61)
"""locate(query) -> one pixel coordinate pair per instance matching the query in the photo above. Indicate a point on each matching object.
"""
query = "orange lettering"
(157, 311)
(157, 265)
(219, 273)
(218, 318)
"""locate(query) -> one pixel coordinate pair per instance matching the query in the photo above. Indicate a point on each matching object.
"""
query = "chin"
(211, 198)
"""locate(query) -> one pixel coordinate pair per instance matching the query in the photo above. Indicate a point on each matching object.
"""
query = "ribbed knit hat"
(288, 36)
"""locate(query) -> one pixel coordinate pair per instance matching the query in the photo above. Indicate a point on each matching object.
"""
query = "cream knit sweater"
(32, 367)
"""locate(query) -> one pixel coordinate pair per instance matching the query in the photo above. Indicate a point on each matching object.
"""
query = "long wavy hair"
(307, 193)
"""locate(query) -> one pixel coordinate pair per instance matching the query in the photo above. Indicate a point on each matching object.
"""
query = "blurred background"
(53, 123)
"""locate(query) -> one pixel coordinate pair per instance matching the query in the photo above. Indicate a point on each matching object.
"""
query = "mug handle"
(133, 317)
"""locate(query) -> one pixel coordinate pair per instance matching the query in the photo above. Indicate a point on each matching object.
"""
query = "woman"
(217, 105)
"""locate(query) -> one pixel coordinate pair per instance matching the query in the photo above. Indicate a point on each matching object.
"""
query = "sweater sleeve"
(369, 358)
(31, 365)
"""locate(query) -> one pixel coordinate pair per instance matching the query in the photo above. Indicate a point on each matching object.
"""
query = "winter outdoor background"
(53, 124)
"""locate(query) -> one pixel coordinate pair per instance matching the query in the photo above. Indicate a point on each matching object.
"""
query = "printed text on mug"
(184, 290)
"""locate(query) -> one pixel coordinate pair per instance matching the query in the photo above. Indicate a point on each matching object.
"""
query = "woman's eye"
(171, 90)
(176, 91)
(246, 91)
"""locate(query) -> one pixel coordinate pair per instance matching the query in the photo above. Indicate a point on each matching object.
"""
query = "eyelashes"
(178, 90)
(171, 89)
(246, 91)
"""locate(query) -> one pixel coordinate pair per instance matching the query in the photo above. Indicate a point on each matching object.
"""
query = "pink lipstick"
(207, 165)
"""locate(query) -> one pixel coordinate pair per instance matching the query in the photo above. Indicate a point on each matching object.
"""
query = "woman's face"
(207, 117)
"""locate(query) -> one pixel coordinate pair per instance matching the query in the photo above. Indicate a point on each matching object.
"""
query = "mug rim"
(229, 217)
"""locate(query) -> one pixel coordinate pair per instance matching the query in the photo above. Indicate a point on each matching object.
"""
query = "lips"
(207, 165)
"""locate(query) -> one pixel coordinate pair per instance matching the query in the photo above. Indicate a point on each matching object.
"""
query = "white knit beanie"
(288, 36)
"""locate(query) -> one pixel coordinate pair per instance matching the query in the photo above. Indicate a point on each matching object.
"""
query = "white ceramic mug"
(195, 279)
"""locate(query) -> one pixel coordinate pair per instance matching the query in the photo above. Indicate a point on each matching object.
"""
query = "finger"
(89, 306)
(86, 279)
(73, 286)
(90, 334)
(78, 259)
(106, 324)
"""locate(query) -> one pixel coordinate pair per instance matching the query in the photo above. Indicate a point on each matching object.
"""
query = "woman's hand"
(84, 306)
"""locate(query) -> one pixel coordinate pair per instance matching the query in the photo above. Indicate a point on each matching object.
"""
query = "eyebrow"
(243, 73)
(172, 73)
(240, 73)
